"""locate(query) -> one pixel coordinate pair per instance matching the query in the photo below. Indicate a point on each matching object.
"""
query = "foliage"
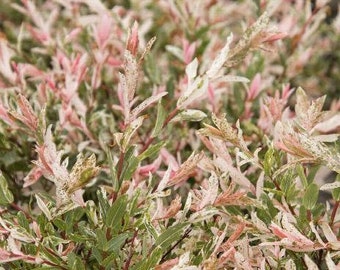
(152, 134)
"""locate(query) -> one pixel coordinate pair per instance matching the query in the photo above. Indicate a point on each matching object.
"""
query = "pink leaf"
(132, 43)
(255, 88)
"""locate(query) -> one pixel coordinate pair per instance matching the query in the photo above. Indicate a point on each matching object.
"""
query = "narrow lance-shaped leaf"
(152, 150)
(43, 207)
(146, 103)
(189, 115)
(116, 213)
(147, 49)
(161, 115)
(310, 264)
(186, 169)
(41, 130)
(6, 196)
(170, 235)
(311, 196)
(130, 166)
(113, 172)
(191, 70)
(329, 262)
(130, 131)
(131, 74)
(220, 59)
(150, 261)
(114, 244)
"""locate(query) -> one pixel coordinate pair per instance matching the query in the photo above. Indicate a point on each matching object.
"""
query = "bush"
(169, 134)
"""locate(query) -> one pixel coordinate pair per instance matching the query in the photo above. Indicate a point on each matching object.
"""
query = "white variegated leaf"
(191, 69)
(330, 236)
(309, 263)
(329, 262)
(189, 115)
(146, 103)
(43, 207)
(220, 59)
(175, 51)
(194, 91)
(232, 78)
(330, 186)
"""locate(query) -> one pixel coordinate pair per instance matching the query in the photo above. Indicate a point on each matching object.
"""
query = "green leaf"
(6, 196)
(130, 164)
(115, 214)
(22, 220)
(302, 219)
(150, 261)
(74, 262)
(161, 115)
(4, 143)
(311, 196)
(101, 239)
(97, 254)
(288, 186)
(80, 238)
(10, 159)
(115, 244)
(151, 151)
(302, 176)
(61, 224)
(149, 227)
(152, 69)
(103, 202)
(50, 255)
(130, 167)
(108, 262)
(91, 212)
(270, 162)
(41, 125)
(170, 235)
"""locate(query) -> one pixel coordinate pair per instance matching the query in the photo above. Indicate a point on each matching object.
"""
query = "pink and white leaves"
(5, 62)
(67, 184)
(291, 238)
(196, 87)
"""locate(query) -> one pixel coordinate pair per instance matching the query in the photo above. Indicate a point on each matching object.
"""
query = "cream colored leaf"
(309, 263)
(220, 59)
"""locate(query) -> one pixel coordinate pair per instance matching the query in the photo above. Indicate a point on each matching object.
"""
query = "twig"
(128, 261)
(335, 209)
(186, 233)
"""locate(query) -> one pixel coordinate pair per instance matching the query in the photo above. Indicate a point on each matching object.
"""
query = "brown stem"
(170, 116)
(186, 234)
(309, 215)
(335, 209)
(120, 165)
(128, 261)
